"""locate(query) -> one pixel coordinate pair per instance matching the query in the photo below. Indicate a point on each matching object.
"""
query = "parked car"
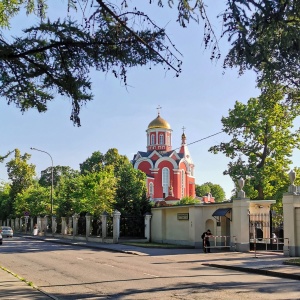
(0, 239)
(6, 231)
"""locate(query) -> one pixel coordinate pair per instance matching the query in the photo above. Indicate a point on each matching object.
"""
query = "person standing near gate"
(206, 243)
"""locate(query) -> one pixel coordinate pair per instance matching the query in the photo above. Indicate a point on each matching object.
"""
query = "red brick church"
(170, 174)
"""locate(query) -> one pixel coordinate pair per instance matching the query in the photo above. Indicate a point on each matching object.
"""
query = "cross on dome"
(158, 109)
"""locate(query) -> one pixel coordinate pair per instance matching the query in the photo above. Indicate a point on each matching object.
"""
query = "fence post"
(116, 226)
(45, 224)
(148, 217)
(75, 224)
(63, 226)
(87, 225)
(31, 224)
(104, 224)
(70, 225)
(53, 224)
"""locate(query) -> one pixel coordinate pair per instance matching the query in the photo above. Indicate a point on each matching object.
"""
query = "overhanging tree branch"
(139, 39)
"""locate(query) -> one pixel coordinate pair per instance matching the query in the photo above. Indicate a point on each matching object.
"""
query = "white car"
(6, 231)
(0, 239)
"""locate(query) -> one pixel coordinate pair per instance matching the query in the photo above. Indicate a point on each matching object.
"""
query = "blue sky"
(118, 116)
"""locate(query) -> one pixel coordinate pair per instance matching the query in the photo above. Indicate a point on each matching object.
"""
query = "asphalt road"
(69, 272)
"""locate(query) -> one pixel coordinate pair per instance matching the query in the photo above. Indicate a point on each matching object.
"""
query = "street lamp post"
(51, 194)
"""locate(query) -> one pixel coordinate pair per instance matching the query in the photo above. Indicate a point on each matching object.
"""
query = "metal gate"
(266, 231)
(132, 226)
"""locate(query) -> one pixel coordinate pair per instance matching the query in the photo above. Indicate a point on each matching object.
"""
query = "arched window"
(161, 139)
(151, 190)
(182, 183)
(152, 139)
(165, 180)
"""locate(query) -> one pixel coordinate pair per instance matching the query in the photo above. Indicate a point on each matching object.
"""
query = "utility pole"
(51, 193)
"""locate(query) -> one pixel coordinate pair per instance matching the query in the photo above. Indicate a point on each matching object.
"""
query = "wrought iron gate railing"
(266, 231)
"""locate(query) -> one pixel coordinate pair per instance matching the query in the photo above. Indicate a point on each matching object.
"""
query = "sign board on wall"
(182, 216)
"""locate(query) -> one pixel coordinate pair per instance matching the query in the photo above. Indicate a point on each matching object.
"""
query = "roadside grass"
(20, 278)
(294, 261)
(157, 245)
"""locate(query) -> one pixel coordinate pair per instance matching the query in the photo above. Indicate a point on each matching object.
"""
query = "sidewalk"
(264, 263)
(12, 287)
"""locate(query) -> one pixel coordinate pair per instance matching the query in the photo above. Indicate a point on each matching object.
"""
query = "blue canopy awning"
(222, 212)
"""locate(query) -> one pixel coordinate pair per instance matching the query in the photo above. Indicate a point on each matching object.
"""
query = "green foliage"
(57, 56)
(264, 35)
(35, 200)
(58, 171)
(215, 189)
(20, 173)
(5, 156)
(106, 182)
(11, 8)
(113, 158)
(131, 192)
(261, 143)
(98, 161)
(202, 189)
(187, 201)
(93, 163)
(92, 192)
(217, 192)
(5, 202)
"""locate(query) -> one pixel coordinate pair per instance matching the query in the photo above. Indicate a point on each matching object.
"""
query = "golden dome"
(159, 123)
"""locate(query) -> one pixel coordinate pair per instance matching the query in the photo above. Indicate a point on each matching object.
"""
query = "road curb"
(255, 271)
(29, 284)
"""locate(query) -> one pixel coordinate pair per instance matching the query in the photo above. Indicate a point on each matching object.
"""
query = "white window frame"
(161, 139)
(152, 139)
(182, 183)
(165, 180)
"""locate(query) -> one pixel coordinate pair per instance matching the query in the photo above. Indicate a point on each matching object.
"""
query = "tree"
(215, 189)
(131, 195)
(131, 192)
(34, 200)
(98, 161)
(113, 158)
(202, 189)
(5, 156)
(21, 175)
(264, 35)
(261, 143)
(93, 163)
(58, 171)
(5, 203)
(217, 192)
(92, 192)
(57, 55)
